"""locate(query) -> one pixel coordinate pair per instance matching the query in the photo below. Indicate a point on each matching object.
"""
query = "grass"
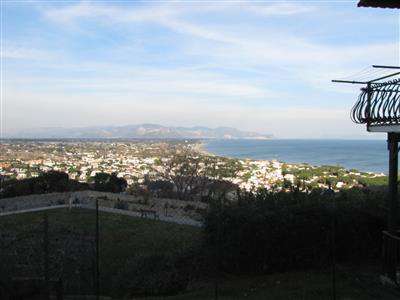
(313, 285)
(123, 237)
(120, 235)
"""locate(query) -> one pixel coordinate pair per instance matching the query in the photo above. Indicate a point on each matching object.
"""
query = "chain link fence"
(96, 248)
(156, 249)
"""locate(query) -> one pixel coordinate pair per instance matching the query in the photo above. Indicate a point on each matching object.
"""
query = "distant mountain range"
(142, 131)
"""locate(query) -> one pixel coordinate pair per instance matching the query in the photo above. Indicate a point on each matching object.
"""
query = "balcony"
(378, 106)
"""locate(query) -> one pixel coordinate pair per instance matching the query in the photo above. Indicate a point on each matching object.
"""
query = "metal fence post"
(218, 251)
(46, 253)
(393, 139)
(97, 252)
(333, 248)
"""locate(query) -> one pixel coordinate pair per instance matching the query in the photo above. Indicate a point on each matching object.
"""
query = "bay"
(363, 155)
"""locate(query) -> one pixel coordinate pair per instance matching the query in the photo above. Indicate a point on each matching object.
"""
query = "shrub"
(374, 181)
(189, 207)
(50, 182)
(105, 182)
(121, 204)
(281, 231)
(157, 274)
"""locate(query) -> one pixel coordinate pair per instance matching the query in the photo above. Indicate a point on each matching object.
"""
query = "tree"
(49, 182)
(187, 173)
(222, 190)
(161, 188)
(109, 183)
(55, 181)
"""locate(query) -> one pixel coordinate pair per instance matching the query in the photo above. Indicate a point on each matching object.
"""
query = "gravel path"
(16, 212)
(171, 219)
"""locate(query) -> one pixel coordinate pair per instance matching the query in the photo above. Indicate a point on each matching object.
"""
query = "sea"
(363, 155)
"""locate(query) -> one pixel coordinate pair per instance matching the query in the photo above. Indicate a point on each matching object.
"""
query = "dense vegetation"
(270, 232)
(308, 177)
(105, 182)
(48, 182)
(54, 181)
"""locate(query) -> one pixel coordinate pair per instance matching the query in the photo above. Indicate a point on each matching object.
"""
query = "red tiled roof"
(380, 3)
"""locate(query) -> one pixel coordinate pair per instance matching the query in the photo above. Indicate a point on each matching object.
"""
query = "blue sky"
(264, 66)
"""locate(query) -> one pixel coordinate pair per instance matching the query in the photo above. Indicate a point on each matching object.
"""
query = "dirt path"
(172, 219)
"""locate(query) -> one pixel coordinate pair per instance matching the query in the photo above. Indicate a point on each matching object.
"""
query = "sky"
(263, 66)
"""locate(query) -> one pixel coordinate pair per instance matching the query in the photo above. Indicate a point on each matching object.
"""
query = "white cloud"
(142, 81)
(278, 9)
(164, 10)
(23, 52)
(209, 89)
(304, 60)
(86, 10)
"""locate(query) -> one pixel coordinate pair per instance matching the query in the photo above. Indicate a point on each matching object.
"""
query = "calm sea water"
(364, 155)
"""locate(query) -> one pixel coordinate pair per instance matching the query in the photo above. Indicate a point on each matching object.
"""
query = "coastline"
(342, 153)
(200, 147)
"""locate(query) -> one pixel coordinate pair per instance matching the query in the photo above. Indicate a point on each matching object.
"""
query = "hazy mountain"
(142, 131)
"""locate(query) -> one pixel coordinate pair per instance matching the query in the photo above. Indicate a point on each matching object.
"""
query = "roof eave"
(379, 3)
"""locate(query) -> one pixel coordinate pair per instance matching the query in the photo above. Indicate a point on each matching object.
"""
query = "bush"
(189, 207)
(374, 181)
(49, 182)
(276, 232)
(121, 204)
(157, 274)
(105, 182)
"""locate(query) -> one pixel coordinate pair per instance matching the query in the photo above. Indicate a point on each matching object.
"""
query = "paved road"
(171, 219)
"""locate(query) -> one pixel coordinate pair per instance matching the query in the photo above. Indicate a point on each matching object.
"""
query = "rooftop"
(379, 3)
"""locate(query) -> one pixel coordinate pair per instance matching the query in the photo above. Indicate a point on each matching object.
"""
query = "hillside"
(138, 243)
(143, 255)
(140, 131)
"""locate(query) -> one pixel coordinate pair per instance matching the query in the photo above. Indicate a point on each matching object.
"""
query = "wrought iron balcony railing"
(378, 104)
